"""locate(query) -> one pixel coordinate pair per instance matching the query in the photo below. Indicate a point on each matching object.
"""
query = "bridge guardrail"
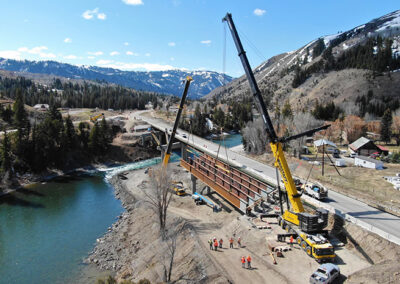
(353, 220)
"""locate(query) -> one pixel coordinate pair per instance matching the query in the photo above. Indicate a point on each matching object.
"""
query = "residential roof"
(139, 127)
(368, 159)
(321, 142)
(382, 148)
(359, 143)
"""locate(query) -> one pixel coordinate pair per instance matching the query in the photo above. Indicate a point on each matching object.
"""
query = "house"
(384, 150)
(142, 128)
(174, 108)
(41, 107)
(364, 147)
(149, 105)
(366, 162)
(327, 145)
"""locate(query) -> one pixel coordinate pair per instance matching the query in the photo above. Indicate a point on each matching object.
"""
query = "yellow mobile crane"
(308, 227)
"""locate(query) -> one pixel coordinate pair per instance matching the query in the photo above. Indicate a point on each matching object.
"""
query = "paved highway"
(359, 210)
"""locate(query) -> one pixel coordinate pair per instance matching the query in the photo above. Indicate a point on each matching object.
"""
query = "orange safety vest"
(249, 259)
(291, 239)
(243, 260)
(215, 243)
(231, 241)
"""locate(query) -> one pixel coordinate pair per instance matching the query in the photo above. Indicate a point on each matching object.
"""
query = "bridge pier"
(194, 182)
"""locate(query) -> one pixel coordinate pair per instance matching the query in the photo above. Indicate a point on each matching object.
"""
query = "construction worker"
(248, 262)
(240, 245)
(291, 241)
(216, 245)
(231, 243)
(210, 243)
(243, 260)
(220, 243)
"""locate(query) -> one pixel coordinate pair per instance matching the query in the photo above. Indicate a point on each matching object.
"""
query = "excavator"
(307, 227)
(94, 118)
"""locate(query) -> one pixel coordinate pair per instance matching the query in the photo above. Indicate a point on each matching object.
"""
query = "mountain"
(167, 82)
(356, 69)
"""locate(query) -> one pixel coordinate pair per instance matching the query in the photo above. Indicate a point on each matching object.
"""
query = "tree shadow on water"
(12, 200)
(27, 191)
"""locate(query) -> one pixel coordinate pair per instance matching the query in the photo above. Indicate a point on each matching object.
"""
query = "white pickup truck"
(314, 190)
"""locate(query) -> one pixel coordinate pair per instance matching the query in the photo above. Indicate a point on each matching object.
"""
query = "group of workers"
(214, 243)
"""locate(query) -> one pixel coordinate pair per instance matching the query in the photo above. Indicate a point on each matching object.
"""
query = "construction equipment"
(167, 153)
(178, 188)
(94, 118)
(315, 190)
(295, 220)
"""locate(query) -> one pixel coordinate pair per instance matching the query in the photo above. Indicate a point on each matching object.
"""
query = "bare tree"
(159, 196)
(170, 242)
(255, 136)
(302, 122)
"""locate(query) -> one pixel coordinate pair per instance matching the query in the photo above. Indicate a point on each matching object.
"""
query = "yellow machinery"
(308, 227)
(94, 118)
(178, 188)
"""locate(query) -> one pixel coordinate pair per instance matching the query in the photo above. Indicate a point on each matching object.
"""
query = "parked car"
(184, 135)
(353, 155)
(325, 273)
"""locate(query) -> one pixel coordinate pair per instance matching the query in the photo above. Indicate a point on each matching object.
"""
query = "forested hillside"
(73, 95)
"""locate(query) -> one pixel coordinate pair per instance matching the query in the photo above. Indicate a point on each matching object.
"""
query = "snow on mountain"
(167, 82)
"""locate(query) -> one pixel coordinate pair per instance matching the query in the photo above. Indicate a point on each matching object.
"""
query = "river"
(46, 230)
(229, 141)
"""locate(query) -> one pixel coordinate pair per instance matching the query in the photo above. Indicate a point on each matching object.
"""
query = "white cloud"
(206, 42)
(132, 53)
(259, 12)
(71, 56)
(88, 14)
(147, 54)
(126, 43)
(67, 40)
(171, 43)
(10, 54)
(91, 57)
(113, 53)
(104, 62)
(133, 2)
(135, 66)
(38, 50)
(101, 16)
(17, 54)
(96, 53)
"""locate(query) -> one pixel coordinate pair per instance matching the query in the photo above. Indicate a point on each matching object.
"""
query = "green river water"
(46, 230)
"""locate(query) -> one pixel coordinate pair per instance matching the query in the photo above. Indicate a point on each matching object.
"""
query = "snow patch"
(327, 39)
(395, 22)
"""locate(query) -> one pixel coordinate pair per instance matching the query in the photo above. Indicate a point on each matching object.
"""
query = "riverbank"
(132, 248)
(118, 154)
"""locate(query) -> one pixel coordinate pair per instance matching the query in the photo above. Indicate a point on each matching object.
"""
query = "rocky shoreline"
(107, 253)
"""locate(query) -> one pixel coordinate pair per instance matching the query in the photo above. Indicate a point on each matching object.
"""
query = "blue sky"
(164, 34)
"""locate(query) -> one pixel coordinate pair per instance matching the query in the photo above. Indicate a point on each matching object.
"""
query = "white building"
(366, 162)
(41, 107)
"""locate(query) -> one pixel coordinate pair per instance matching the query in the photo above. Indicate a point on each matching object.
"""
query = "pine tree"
(386, 125)
(20, 116)
(5, 153)
(69, 133)
(287, 110)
